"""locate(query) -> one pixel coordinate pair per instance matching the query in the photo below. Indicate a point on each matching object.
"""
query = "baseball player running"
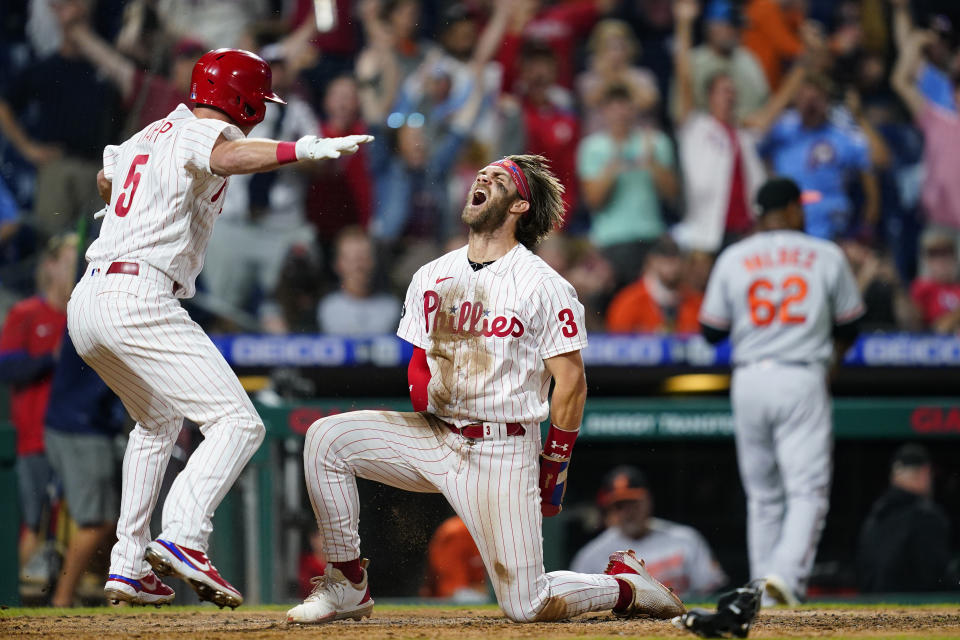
(491, 324)
(787, 301)
(164, 188)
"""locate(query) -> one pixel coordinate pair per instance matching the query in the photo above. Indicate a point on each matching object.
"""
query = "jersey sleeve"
(847, 302)
(413, 320)
(197, 140)
(716, 309)
(560, 318)
(111, 153)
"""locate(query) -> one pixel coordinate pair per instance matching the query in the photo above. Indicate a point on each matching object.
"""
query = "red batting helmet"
(234, 81)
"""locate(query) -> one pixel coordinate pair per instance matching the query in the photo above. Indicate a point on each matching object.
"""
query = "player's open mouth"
(479, 197)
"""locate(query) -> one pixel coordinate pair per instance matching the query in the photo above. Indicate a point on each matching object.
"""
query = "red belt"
(479, 431)
(131, 269)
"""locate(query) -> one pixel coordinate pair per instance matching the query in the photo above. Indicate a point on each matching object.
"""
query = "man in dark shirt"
(59, 114)
(904, 543)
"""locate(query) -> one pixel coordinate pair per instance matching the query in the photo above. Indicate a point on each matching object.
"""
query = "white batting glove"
(314, 148)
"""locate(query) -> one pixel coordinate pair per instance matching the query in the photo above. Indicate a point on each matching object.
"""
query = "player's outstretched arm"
(253, 155)
(566, 412)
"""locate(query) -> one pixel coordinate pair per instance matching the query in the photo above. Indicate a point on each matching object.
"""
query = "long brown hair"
(546, 202)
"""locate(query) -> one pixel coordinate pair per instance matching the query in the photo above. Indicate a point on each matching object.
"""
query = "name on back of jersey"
(780, 257)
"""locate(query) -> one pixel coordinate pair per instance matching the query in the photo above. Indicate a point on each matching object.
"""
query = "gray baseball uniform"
(780, 293)
(675, 554)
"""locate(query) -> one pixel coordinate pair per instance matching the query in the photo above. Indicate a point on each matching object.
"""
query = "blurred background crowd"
(661, 117)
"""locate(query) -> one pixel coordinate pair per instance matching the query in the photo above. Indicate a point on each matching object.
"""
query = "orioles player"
(164, 188)
(491, 324)
(788, 302)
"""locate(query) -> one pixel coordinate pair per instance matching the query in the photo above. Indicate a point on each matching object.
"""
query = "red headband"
(516, 173)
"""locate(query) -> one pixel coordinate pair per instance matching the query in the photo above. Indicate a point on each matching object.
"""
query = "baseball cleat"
(650, 598)
(145, 590)
(192, 566)
(776, 587)
(334, 598)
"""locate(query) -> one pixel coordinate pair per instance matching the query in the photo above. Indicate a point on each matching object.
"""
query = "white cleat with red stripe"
(171, 559)
(146, 590)
(651, 599)
(334, 598)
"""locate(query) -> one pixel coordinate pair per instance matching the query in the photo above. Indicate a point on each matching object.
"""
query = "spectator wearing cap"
(263, 214)
(625, 172)
(409, 171)
(721, 167)
(933, 77)
(659, 301)
(721, 54)
(551, 125)
(613, 50)
(936, 292)
(675, 554)
(904, 543)
(940, 196)
(58, 113)
(147, 97)
(823, 157)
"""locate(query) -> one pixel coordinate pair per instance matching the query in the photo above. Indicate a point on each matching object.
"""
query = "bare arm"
(107, 59)
(880, 155)
(761, 120)
(685, 12)
(905, 71)
(597, 190)
(902, 22)
(569, 391)
(254, 155)
(489, 41)
(378, 77)
(104, 187)
(10, 128)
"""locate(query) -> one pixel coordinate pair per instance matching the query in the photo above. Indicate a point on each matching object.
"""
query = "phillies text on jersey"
(487, 332)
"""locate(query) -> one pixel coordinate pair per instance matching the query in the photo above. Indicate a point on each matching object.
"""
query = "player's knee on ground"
(547, 611)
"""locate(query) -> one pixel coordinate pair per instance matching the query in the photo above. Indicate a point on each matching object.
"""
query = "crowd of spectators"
(661, 117)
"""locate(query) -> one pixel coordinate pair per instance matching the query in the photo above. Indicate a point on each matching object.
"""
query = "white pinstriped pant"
(492, 484)
(134, 333)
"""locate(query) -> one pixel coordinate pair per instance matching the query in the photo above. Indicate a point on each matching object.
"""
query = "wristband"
(559, 443)
(286, 152)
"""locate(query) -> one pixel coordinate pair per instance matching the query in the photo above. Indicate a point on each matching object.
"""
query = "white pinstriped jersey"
(165, 198)
(487, 333)
(780, 293)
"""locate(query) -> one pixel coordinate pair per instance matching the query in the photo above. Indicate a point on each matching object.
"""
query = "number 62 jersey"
(165, 198)
(487, 333)
(780, 293)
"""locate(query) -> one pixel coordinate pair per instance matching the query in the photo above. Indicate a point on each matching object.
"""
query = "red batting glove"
(553, 469)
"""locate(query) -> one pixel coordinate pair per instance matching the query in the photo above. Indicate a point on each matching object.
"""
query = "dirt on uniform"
(430, 623)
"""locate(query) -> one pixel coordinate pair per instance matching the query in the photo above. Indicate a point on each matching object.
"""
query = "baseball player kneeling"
(491, 324)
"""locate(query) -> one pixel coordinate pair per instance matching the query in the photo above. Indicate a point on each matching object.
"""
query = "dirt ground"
(435, 623)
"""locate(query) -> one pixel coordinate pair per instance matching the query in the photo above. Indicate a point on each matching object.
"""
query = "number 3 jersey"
(780, 293)
(487, 333)
(165, 198)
